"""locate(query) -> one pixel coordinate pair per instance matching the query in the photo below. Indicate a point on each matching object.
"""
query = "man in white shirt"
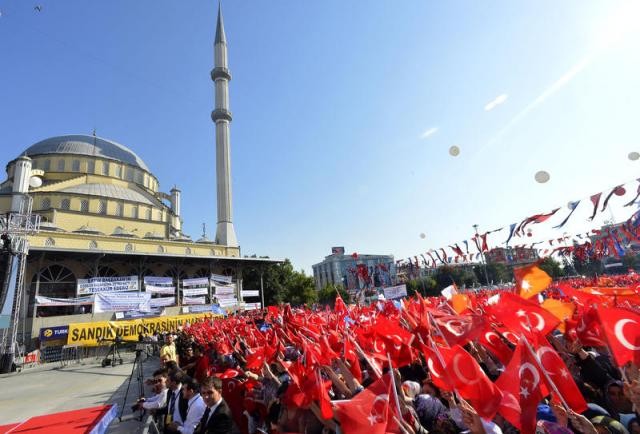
(195, 409)
(159, 387)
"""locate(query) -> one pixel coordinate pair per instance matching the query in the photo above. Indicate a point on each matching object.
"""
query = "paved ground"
(51, 389)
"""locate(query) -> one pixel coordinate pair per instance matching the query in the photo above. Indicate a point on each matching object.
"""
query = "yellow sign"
(92, 333)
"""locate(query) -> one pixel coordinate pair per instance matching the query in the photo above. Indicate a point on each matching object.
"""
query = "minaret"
(225, 233)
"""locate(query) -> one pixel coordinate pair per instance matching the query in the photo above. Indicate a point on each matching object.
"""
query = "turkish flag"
(521, 390)
(460, 329)
(469, 380)
(523, 316)
(351, 357)
(340, 307)
(531, 280)
(437, 371)
(588, 329)
(557, 371)
(369, 411)
(255, 359)
(492, 341)
(622, 329)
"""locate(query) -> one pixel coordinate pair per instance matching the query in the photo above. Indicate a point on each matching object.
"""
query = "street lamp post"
(482, 258)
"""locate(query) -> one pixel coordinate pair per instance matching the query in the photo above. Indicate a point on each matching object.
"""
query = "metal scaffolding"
(15, 227)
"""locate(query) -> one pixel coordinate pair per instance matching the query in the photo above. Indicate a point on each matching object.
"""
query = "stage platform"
(92, 420)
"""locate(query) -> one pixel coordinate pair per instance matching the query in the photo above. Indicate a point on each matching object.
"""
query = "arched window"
(84, 205)
(148, 216)
(128, 247)
(91, 167)
(65, 204)
(75, 165)
(187, 251)
(49, 242)
(93, 244)
(105, 168)
(160, 249)
(55, 281)
(102, 207)
(46, 203)
(102, 272)
(134, 211)
(118, 171)
(120, 209)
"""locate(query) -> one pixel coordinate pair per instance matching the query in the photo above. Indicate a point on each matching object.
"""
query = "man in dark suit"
(217, 416)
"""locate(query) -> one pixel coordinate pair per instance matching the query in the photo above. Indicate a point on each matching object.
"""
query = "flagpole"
(484, 262)
(393, 384)
(545, 373)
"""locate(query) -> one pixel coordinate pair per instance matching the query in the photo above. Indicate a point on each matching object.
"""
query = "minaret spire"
(221, 116)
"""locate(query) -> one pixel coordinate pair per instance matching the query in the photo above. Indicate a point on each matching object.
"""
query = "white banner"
(197, 281)
(156, 280)
(228, 302)
(107, 284)
(118, 302)
(49, 301)
(395, 292)
(225, 296)
(193, 300)
(195, 291)
(153, 289)
(251, 306)
(225, 290)
(162, 301)
(251, 293)
(220, 278)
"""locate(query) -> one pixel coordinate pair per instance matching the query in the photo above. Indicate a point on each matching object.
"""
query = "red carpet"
(86, 420)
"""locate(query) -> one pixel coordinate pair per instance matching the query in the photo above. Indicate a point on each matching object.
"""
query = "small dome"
(84, 229)
(86, 145)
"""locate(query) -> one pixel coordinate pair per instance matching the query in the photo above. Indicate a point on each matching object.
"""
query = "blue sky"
(331, 103)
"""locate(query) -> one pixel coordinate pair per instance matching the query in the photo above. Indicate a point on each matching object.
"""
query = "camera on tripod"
(113, 355)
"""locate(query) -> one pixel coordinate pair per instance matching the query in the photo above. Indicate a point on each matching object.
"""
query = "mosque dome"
(88, 146)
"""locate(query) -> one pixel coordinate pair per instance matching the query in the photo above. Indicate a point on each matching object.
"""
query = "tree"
(461, 276)
(327, 295)
(551, 267)
(282, 284)
(496, 272)
(425, 286)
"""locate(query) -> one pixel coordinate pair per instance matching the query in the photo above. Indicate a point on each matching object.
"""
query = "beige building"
(102, 213)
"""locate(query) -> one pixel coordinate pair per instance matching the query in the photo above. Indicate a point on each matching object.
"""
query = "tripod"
(139, 372)
(114, 352)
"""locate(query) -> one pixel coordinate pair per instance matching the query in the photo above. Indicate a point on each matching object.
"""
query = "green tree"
(425, 286)
(552, 267)
(327, 295)
(282, 284)
(461, 276)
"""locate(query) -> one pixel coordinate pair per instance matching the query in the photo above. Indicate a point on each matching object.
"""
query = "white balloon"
(542, 176)
(454, 151)
(633, 156)
(423, 235)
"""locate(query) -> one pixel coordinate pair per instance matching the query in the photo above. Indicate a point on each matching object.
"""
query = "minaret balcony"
(220, 72)
(221, 113)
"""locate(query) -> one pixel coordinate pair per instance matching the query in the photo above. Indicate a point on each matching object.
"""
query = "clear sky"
(344, 112)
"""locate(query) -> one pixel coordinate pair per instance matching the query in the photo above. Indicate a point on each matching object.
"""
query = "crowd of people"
(564, 360)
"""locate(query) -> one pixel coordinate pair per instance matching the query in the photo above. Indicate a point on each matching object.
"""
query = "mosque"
(102, 214)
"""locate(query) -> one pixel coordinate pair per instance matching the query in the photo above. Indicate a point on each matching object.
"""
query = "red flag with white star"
(521, 384)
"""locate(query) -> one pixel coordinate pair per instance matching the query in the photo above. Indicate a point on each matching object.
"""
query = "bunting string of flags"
(611, 243)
